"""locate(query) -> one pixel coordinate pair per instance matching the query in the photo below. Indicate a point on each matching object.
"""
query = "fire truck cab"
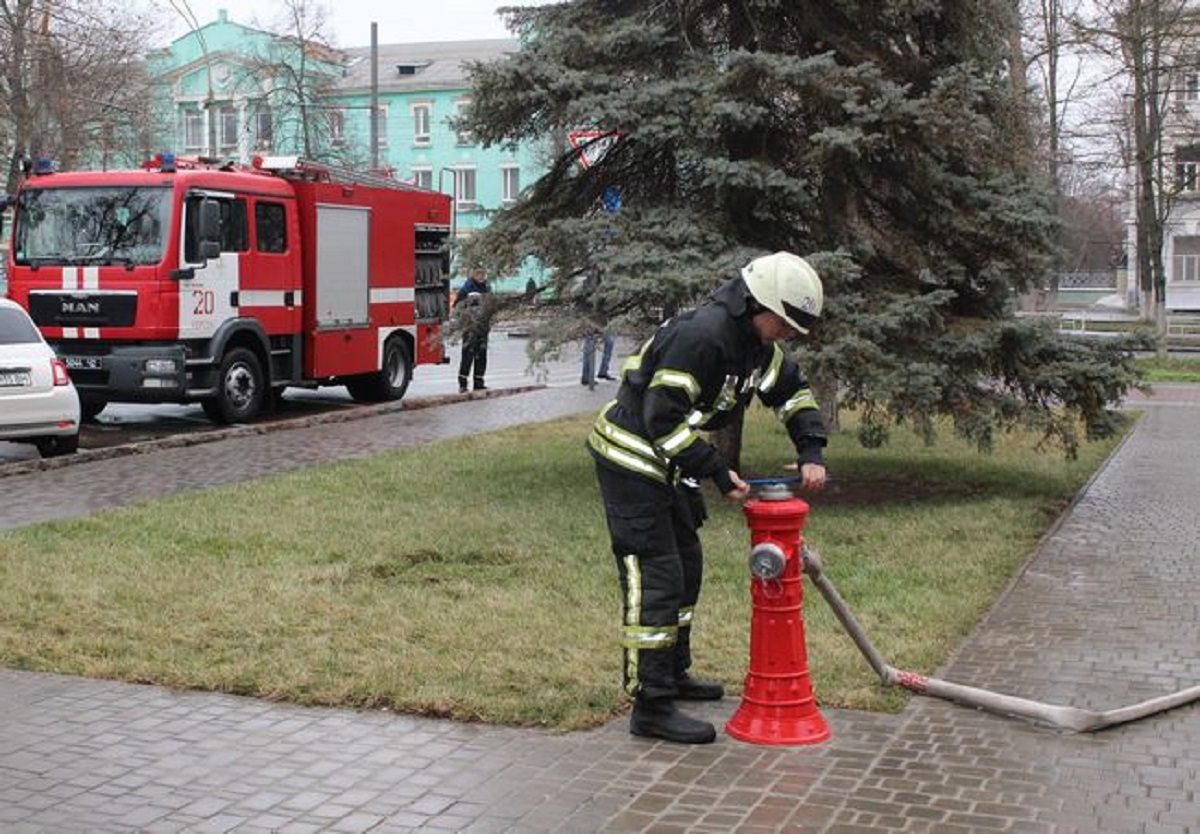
(196, 281)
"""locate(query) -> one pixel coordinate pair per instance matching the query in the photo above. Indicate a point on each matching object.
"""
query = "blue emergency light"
(166, 162)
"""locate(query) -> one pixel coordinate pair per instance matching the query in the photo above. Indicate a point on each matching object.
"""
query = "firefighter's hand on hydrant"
(812, 476)
(740, 490)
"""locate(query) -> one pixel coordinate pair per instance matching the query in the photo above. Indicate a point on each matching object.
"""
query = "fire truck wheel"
(390, 382)
(240, 389)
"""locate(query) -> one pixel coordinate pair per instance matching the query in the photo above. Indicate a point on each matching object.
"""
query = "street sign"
(591, 145)
(611, 199)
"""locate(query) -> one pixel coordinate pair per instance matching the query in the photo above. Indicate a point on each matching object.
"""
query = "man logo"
(75, 308)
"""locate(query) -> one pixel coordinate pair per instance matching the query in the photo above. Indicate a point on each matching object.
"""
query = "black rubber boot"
(696, 689)
(658, 718)
(691, 689)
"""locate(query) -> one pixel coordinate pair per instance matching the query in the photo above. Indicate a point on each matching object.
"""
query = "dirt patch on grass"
(859, 491)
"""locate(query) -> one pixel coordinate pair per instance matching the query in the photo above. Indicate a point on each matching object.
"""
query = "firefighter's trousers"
(660, 567)
(474, 353)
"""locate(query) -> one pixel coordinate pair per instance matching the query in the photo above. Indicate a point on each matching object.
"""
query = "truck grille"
(83, 309)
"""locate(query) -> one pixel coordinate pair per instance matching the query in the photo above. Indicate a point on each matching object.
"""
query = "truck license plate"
(15, 379)
(82, 363)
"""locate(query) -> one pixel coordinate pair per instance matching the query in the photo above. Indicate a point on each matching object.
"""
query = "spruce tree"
(884, 139)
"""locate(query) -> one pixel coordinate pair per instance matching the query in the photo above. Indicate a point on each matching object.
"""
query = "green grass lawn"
(1171, 369)
(473, 578)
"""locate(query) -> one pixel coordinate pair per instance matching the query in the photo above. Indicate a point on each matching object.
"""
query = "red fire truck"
(196, 281)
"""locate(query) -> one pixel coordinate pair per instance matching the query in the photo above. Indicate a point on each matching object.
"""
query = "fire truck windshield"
(91, 226)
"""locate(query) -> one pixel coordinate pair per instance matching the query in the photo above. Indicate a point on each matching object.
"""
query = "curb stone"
(357, 412)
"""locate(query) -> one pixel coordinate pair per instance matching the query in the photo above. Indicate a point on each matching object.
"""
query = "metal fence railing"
(1088, 280)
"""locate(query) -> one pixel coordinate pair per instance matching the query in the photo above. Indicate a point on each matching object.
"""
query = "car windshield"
(16, 328)
(91, 226)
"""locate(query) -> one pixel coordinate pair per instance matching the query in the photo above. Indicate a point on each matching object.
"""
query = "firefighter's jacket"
(473, 309)
(690, 377)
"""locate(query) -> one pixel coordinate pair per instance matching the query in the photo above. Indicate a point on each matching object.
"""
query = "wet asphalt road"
(508, 367)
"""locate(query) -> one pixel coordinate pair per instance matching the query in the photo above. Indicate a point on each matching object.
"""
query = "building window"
(337, 127)
(227, 122)
(381, 124)
(511, 184)
(462, 109)
(421, 114)
(422, 178)
(263, 126)
(464, 188)
(1185, 259)
(1187, 168)
(1185, 175)
(193, 130)
(1189, 87)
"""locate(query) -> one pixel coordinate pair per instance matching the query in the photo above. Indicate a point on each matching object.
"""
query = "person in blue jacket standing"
(470, 304)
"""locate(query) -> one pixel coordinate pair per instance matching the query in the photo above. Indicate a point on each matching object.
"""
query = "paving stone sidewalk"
(1106, 613)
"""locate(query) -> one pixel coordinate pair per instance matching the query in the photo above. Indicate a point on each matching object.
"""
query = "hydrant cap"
(774, 492)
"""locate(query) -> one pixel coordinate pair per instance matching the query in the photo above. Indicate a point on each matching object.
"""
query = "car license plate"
(82, 363)
(15, 379)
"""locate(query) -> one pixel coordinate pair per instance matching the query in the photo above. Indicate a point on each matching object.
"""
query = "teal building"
(233, 91)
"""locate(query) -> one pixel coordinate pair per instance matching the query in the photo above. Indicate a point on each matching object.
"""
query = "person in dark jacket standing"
(690, 377)
(471, 304)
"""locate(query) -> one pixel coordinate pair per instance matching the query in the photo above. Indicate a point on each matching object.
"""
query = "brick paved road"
(1105, 613)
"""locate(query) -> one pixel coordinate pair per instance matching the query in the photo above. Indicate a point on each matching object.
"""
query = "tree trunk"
(19, 108)
(1143, 154)
(1160, 327)
(825, 390)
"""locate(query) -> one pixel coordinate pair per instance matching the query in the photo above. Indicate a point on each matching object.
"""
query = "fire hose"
(1070, 718)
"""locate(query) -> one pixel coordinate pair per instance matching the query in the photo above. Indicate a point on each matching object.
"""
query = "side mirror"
(210, 229)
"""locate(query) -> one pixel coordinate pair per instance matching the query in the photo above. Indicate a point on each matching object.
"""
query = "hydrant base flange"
(759, 726)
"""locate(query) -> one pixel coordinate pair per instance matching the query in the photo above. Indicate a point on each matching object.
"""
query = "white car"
(38, 403)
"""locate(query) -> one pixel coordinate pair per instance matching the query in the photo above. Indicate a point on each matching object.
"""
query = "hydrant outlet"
(767, 561)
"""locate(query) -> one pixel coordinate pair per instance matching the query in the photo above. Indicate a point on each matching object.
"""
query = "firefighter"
(471, 303)
(690, 377)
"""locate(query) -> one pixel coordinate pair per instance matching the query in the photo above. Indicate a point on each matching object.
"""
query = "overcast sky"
(400, 21)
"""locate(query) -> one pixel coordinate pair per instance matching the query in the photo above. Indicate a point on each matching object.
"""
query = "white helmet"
(786, 285)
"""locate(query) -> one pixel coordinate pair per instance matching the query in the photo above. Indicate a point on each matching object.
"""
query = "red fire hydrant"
(778, 705)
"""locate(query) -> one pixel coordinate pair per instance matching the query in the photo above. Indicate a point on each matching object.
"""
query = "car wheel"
(241, 389)
(89, 410)
(52, 447)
